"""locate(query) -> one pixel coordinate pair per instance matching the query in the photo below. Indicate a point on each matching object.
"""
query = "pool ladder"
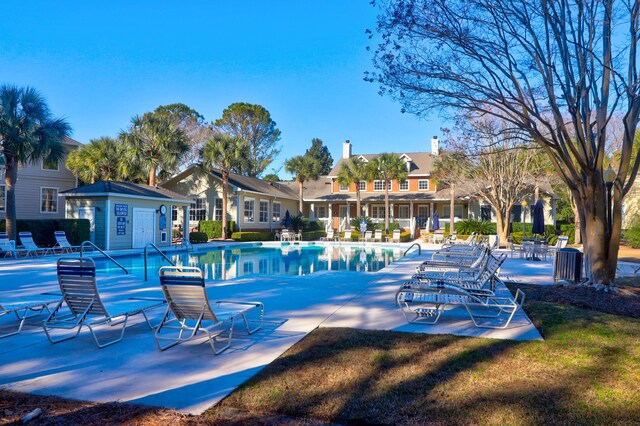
(95, 247)
(146, 254)
(414, 244)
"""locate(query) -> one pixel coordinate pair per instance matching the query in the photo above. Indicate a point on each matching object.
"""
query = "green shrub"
(392, 226)
(313, 235)
(76, 230)
(516, 237)
(355, 222)
(198, 237)
(176, 233)
(570, 231)
(213, 228)
(253, 236)
(315, 226)
(632, 235)
(468, 226)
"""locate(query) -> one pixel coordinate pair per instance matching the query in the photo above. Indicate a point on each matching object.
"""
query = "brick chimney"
(346, 149)
(435, 146)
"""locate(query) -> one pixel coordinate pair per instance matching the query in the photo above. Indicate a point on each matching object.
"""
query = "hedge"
(392, 226)
(570, 231)
(77, 230)
(313, 235)
(198, 237)
(213, 228)
(253, 236)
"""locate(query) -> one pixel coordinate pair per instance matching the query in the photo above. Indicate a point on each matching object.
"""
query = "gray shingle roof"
(125, 188)
(421, 162)
(247, 183)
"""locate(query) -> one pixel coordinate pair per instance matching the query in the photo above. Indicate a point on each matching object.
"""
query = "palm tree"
(388, 167)
(28, 133)
(226, 152)
(305, 167)
(101, 159)
(354, 170)
(155, 143)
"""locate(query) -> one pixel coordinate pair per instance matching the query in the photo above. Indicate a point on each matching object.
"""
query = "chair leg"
(111, 323)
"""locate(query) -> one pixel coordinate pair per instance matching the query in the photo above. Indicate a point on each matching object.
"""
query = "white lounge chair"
(424, 303)
(24, 308)
(330, 236)
(63, 244)
(26, 239)
(395, 237)
(377, 235)
(189, 309)
(347, 235)
(368, 236)
(85, 308)
(8, 247)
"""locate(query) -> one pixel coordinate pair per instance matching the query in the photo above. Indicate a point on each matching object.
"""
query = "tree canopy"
(560, 70)
(29, 132)
(191, 122)
(304, 168)
(388, 167)
(253, 125)
(321, 153)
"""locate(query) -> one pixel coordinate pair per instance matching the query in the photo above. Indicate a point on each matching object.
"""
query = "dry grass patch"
(586, 371)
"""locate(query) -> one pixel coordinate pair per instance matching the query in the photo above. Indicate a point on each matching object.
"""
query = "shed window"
(249, 210)
(485, 212)
(264, 211)
(218, 209)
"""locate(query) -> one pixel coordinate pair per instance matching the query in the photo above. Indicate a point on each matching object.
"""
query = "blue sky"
(100, 63)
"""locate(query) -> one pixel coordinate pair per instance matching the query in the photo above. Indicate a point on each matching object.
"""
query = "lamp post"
(609, 176)
(524, 205)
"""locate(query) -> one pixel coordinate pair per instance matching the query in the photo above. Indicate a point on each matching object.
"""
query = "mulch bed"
(624, 302)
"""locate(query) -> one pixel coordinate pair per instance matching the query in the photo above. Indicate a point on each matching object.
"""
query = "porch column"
(312, 211)
(186, 211)
(348, 215)
(391, 215)
(330, 221)
(366, 210)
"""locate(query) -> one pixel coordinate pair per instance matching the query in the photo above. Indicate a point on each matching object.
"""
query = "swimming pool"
(285, 260)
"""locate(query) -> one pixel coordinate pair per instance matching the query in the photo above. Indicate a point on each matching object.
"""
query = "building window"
(457, 211)
(485, 212)
(403, 212)
(50, 165)
(404, 186)
(264, 211)
(378, 185)
(249, 209)
(275, 214)
(362, 185)
(198, 210)
(218, 209)
(321, 211)
(3, 197)
(423, 184)
(49, 200)
(174, 213)
(344, 187)
(377, 212)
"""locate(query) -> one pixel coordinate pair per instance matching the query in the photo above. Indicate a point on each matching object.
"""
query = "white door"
(89, 213)
(143, 227)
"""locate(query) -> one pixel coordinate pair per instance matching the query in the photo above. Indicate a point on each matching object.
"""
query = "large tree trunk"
(10, 178)
(225, 185)
(601, 250)
(386, 206)
(152, 175)
(502, 222)
(300, 194)
(576, 220)
(452, 216)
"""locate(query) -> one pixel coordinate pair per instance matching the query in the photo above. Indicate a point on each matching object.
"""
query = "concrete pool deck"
(189, 377)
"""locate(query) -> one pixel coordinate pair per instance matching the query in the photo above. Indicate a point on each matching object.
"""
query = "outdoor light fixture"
(609, 176)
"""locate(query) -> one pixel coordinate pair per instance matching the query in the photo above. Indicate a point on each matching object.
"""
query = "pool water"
(285, 260)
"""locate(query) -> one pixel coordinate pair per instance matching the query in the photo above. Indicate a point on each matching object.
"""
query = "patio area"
(189, 377)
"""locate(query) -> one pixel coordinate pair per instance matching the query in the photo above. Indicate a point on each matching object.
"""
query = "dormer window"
(363, 159)
(407, 160)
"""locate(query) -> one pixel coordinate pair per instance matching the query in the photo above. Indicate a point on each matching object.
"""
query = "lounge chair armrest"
(240, 302)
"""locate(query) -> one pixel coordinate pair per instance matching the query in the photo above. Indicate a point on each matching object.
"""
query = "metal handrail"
(95, 247)
(410, 247)
(146, 252)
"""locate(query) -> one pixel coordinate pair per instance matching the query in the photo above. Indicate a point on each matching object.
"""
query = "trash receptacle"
(567, 265)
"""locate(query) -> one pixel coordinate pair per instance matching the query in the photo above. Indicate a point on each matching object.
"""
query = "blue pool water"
(285, 260)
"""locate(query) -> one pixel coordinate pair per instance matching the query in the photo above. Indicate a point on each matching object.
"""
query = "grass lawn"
(587, 371)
